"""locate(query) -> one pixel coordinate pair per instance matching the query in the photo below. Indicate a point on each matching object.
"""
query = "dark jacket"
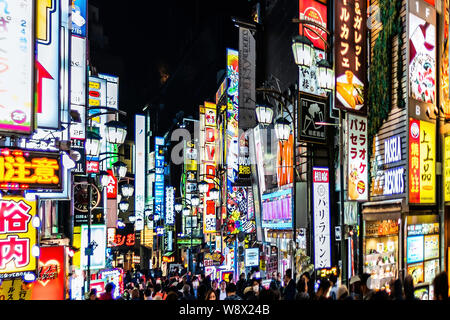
(290, 291)
(233, 297)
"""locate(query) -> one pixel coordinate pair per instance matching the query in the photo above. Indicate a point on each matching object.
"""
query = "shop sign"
(79, 17)
(98, 240)
(127, 240)
(321, 203)
(314, 11)
(48, 63)
(41, 140)
(110, 237)
(30, 170)
(311, 111)
(50, 282)
(159, 177)
(115, 276)
(92, 167)
(216, 257)
(17, 236)
(78, 87)
(15, 289)
(78, 154)
(381, 228)
(237, 209)
(168, 259)
(170, 211)
(140, 175)
(357, 158)
(252, 257)
(447, 168)
(350, 55)
(244, 157)
(111, 187)
(422, 160)
(277, 209)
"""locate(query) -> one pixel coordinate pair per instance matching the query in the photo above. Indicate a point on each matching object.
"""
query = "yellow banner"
(15, 290)
(447, 168)
(427, 162)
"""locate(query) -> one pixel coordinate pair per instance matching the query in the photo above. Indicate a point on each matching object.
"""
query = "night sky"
(182, 43)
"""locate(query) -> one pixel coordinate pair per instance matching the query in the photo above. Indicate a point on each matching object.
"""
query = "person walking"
(324, 286)
(366, 292)
(108, 294)
(211, 295)
(232, 292)
(408, 288)
(187, 293)
(223, 290)
(302, 289)
(289, 291)
(240, 285)
(440, 285)
(334, 287)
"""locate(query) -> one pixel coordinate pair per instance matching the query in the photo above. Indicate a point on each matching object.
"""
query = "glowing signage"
(15, 289)
(170, 201)
(321, 216)
(17, 67)
(422, 160)
(357, 158)
(47, 63)
(350, 55)
(98, 242)
(29, 170)
(111, 187)
(79, 17)
(252, 257)
(139, 165)
(159, 177)
(392, 150)
(17, 236)
(51, 276)
(317, 12)
(232, 116)
(277, 209)
(78, 88)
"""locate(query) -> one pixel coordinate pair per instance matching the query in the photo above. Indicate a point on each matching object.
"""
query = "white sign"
(140, 174)
(170, 212)
(252, 257)
(16, 66)
(78, 87)
(321, 202)
(357, 158)
(98, 241)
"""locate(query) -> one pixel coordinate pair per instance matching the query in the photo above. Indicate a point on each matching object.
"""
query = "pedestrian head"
(342, 293)
(301, 285)
(408, 287)
(214, 285)
(93, 294)
(211, 295)
(135, 294)
(231, 289)
(440, 285)
(109, 287)
(223, 285)
(333, 279)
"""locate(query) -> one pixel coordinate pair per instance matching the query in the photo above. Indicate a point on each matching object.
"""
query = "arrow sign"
(41, 74)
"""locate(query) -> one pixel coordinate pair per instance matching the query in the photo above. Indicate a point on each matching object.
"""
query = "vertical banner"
(50, 284)
(422, 161)
(79, 17)
(48, 20)
(285, 168)
(447, 168)
(159, 177)
(232, 146)
(350, 54)
(357, 158)
(321, 203)
(78, 88)
(17, 237)
(139, 181)
(98, 257)
(170, 201)
(247, 74)
(208, 142)
(259, 158)
(17, 67)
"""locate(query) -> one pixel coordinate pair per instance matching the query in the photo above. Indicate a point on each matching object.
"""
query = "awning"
(382, 210)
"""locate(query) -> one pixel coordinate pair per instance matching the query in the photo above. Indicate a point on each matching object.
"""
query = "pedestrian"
(440, 285)
(93, 294)
(267, 295)
(215, 288)
(135, 294)
(397, 290)
(322, 292)
(309, 284)
(355, 288)
(148, 294)
(249, 294)
(240, 285)
(211, 295)
(232, 292)
(408, 287)
(289, 290)
(172, 296)
(302, 289)
(108, 294)
(159, 292)
(365, 290)
(274, 283)
(334, 287)
(342, 293)
(223, 290)
(186, 293)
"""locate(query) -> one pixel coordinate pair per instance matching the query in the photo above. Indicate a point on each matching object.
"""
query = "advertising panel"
(139, 182)
(321, 216)
(125, 237)
(416, 271)
(159, 177)
(78, 154)
(350, 55)
(17, 237)
(247, 75)
(48, 14)
(285, 168)
(208, 160)
(357, 158)
(50, 284)
(317, 12)
(17, 67)
(237, 211)
(78, 88)
(414, 249)
(252, 257)
(170, 201)
(98, 238)
(277, 209)
(111, 187)
(431, 246)
(311, 110)
(30, 170)
(15, 289)
(422, 171)
(232, 116)
(79, 17)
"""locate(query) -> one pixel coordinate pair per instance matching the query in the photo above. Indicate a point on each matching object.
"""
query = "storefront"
(382, 238)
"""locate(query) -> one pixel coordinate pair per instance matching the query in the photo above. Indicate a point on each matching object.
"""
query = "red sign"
(111, 188)
(51, 276)
(317, 12)
(320, 175)
(92, 167)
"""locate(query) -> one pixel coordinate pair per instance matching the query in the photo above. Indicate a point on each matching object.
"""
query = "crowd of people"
(185, 286)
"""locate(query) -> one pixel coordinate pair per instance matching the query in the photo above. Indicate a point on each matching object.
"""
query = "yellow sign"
(15, 290)
(17, 236)
(43, 8)
(447, 168)
(427, 162)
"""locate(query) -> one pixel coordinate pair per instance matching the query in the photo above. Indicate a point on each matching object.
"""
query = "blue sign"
(79, 19)
(414, 251)
(159, 177)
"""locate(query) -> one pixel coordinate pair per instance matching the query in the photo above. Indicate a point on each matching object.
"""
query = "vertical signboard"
(350, 54)
(208, 154)
(447, 168)
(247, 74)
(50, 284)
(17, 67)
(159, 177)
(17, 237)
(98, 236)
(232, 146)
(321, 203)
(78, 88)
(170, 201)
(48, 14)
(357, 158)
(79, 17)
(139, 181)
(422, 161)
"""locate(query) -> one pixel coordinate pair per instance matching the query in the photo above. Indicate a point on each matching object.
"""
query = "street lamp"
(124, 205)
(92, 144)
(264, 114)
(116, 132)
(303, 50)
(127, 190)
(178, 207)
(325, 75)
(186, 211)
(119, 169)
(282, 129)
(214, 193)
(203, 186)
(195, 201)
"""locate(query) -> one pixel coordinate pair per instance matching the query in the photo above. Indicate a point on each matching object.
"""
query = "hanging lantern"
(264, 114)
(325, 75)
(214, 193)
(203, 186)
(120, 169)
(104, 178)
(303, 51)
(186, 211)
(195, 201)
(282, 129)
(127, 190)
(116, 132)
(92, 144)
(178, 207)
(123, 206)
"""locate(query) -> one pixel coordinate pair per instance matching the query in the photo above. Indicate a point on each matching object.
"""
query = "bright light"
(132, 218)
(92, 144)
(104, 178)
(120, 169)
(203, 186)
(35, 251)
(282, 129)
(264, 114)
(325, 75)
(116, 132)
(123, 206)
(36, 222)
(186, 211)
(178, 207)
(29, 277)
(127, 190)
(195, 201)
(303, 51)
(214, 193)
(68, 163)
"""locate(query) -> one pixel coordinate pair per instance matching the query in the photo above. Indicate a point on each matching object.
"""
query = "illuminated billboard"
(159, 177)
(357, 158)
(17, 67)
(78, 87)
(48, 22)
(79, 17)
(316, 12)
(98, 235)
(321, 218)
(30, 170)
(17, 237)
(232, 138)
(140, 175)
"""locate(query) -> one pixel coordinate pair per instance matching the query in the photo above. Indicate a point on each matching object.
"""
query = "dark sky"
(185, 39)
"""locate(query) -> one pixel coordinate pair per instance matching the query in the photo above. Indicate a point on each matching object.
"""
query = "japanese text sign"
(357, 158)
(98, 244)
(350, 54)
(232, 116)
(159, 176)
(16, 66)
(79, 10)
(15, 289)
(422, 161)
(29, 170)
(140, 175)
(17, 236)
(170, 201)
(447, 168)
(111, 187)
(321, 202)
(317, 12)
